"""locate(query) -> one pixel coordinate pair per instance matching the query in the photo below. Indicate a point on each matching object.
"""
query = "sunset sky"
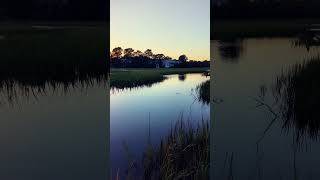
(170, 27)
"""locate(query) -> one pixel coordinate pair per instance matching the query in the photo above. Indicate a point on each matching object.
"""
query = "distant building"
(169, 63)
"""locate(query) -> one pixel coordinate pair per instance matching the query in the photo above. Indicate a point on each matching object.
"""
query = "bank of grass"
(129, 78)
(240, 28)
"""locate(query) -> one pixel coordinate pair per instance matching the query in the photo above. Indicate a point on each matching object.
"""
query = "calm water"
(241, 67)
(165, 101)
(57, 135)
(53, 104)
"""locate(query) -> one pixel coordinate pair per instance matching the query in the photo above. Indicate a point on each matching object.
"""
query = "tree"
(116, 53)
(128, 52)
(148, 53)
(138, 53)
(183, 58)
(159, 56)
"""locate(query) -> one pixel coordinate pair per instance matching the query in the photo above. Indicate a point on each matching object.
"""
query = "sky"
(170, 27)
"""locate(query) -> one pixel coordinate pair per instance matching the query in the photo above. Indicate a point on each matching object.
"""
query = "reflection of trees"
(230, 50)
(182, 77)
(296, 100)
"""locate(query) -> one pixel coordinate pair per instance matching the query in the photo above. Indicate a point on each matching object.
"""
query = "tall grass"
(297, 91)
(33, 59)
(204, 92)
(183, 154)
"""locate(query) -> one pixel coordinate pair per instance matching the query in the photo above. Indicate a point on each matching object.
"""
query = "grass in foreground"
(129, 78)
(183, 154)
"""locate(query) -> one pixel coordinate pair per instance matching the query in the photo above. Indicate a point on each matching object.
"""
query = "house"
(168, 63)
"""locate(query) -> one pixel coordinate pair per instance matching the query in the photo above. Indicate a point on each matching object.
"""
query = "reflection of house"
(169, 63)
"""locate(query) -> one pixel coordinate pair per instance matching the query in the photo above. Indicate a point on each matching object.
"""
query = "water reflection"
(295, 100)
(230, 49)
(143, 116)
(53, 103)
(182, 77)
(248, 140)
(16, 86)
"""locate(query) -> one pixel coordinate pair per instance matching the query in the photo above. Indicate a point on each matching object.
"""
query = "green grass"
(128, 78)
(224, 29)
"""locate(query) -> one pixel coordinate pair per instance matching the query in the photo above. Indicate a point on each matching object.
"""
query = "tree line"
(253, 9)
(61, 10)
(128, 57)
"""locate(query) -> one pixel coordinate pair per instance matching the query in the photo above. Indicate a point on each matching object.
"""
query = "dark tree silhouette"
(128, 52)
(116, 53)
(257, 9)
(148, 53)
(183, 58)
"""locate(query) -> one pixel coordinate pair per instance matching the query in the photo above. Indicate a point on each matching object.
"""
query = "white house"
(168, 63)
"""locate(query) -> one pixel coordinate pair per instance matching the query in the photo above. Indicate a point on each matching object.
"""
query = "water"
(241, 67)
(165, 101)
(57, 135)
(53, 104)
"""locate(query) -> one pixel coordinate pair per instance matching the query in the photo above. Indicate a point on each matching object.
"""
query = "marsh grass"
(130, 78)
(183, 154)
(204, 92)
(33, 59)
(297, 93)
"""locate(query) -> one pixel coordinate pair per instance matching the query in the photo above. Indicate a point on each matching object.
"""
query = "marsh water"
(53, 104)
(249, 142)
(146, 114)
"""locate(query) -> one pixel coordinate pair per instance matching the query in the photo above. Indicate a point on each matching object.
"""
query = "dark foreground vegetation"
(262, 18)
(54, 10)
(32, 59)
(264, 9)
(295, 100)
(183, 154)
(227, 29)
(297, 91)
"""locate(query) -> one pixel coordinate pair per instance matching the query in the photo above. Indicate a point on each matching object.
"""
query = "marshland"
(267, 125)
(53, 100)
(152, 123)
